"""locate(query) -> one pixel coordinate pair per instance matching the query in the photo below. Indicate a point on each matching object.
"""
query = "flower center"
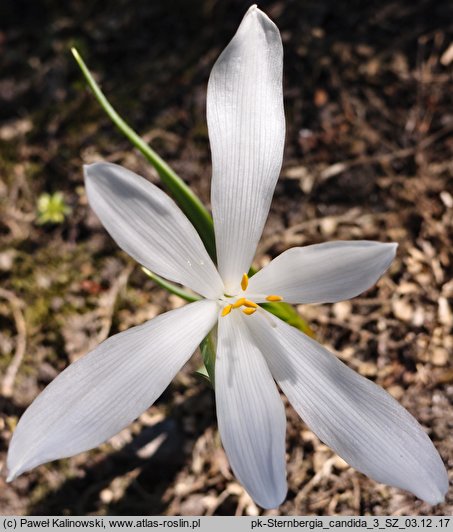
(248, 306)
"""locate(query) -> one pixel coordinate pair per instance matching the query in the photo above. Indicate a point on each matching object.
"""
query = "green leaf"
(208, 349)
(170, 287)
(203, 374)
(182, 194)
(52, 208)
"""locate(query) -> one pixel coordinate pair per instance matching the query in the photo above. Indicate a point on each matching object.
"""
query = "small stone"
(320, 97)
(319, 459)
(367, 369)
(347, 353)
(444, 312)
(15, 128)
(407, 288)
(439, 356)
(339, 463)
(446, 198)
(328, 226)
(194, 505)
(402, 310)
(396, 391)
(235, 489)
(7, 259)
(418, 318)
(308, 436)
(342, 310)
(175, 301)
(106, 496)
(447, 57)
(251, 509)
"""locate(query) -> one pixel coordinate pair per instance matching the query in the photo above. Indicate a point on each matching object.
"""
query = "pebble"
(439, 356)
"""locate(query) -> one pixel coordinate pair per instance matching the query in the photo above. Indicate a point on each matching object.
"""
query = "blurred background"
(368, 100)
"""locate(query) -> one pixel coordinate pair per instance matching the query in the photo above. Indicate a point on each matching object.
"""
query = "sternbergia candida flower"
(104, 391)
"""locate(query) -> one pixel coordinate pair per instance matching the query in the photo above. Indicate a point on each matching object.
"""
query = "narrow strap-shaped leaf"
(170, 287)
(208, 348)
(182, 194)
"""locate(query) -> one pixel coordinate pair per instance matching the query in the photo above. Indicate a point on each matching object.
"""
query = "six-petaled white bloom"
(104, 391)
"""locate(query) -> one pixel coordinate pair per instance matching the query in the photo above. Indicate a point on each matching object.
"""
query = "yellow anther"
(274, 298)
(226, 310)
(250, 304)
(248, 311)
(239, 303)
(245, 281)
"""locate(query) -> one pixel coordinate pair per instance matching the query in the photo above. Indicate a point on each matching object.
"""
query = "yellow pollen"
(250, 304)
(248, 311)
(274, 298)
(245, 281)
(239, 303)
(226, 310)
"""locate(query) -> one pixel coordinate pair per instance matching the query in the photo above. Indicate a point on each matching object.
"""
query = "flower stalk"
(171, 287)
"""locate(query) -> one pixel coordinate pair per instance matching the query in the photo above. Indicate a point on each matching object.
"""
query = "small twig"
(313, 482)
(21, 342)
(340, 167)
(354, 215)
(109, 303)
(171, 287)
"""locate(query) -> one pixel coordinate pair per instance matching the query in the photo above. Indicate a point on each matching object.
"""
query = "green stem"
(170, 287)
(183, 195)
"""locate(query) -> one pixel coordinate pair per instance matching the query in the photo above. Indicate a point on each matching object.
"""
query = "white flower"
(103, 392)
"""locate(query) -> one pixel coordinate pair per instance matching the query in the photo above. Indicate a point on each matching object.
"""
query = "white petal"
(355, 417)
(150, 227)
(247, 132)
(250, 414)
(324, 273)
(104, 391)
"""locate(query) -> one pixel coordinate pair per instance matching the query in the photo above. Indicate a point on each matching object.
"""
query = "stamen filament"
(245, 282)
(226, 310)
(248, 311)
(274, 298)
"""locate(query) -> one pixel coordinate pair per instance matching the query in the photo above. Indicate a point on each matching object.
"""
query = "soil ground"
(368, 99)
